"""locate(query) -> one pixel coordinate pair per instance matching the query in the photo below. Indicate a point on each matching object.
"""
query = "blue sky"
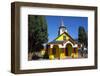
(72, 24)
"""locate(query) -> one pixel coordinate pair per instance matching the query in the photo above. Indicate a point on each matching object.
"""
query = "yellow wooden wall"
(60, 38)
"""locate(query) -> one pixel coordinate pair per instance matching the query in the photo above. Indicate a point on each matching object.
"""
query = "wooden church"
(63, 46)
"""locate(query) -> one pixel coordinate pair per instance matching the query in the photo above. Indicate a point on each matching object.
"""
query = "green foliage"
(82, 36)
(37, 32)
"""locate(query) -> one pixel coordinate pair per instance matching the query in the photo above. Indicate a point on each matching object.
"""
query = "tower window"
(63, 29)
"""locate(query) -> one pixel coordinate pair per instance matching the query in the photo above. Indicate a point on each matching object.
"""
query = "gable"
(62, 37)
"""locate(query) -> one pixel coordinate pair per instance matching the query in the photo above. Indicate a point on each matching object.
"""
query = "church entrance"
(55, 51)
(68, 49)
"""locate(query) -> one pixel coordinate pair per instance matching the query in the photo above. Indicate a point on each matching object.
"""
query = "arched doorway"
(68, 49)
(55, 51)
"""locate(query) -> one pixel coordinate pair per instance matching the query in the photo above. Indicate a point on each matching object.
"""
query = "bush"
(35, 57)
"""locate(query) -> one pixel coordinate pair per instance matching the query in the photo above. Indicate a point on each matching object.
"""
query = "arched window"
(64, 37)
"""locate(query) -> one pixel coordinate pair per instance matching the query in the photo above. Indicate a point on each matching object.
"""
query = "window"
(63, 29)
(64, 37)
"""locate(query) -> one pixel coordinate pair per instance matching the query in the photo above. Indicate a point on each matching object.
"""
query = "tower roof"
(62, 24)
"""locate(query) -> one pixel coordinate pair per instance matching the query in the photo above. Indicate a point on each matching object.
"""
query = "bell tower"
(62, 28)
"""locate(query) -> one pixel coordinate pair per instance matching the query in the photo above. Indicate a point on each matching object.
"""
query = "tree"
(82, 36)
(37, 33)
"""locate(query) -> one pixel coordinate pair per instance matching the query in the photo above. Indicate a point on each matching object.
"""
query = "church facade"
(63, 46)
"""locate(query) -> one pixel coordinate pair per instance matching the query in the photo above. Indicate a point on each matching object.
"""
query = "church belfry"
(62, 28)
